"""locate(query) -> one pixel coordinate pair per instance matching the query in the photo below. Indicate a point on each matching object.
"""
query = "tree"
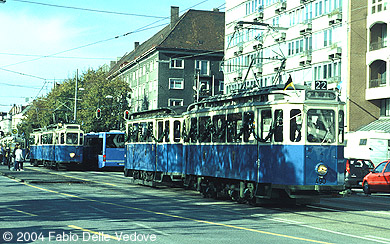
(58, 105)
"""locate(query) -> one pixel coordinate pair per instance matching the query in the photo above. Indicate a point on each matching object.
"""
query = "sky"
(47, 41)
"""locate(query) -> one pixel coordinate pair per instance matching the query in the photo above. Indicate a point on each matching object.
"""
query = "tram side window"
(166, 131)
(135, 132)
(219, 122)
(160, 131)
(295, 125)
(62, 136)
(129, 129)
(235, 129)
(278, 134)
(194, 130)
(248, 124)
(176, 131)
(265, 125)
(341, 126)
(205, 129)
(150, 132)
(81, 139)
(143, 132)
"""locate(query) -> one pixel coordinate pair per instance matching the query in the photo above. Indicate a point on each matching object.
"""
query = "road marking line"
(181, 217)
(286, 221)
(150, 228)
(378, 238)
(77, 178)
(94, 232)
(19, 211)
(322, 208)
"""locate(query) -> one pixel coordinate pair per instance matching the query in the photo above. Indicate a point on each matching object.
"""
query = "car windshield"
(380, 167)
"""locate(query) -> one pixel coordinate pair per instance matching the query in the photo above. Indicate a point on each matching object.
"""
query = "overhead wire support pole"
(75, 96)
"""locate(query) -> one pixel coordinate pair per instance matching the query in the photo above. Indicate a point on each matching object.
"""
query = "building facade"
(378, 56)
(276, 39)
(312, 40)
(178, 65)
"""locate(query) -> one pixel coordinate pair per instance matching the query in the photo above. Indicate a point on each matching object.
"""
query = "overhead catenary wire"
(90, 10)
(54, 55)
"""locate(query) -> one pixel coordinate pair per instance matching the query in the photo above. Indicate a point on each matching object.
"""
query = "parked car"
(355, 171)
(378, 180)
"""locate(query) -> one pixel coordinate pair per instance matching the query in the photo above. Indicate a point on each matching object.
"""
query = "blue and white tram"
(56, 146)
(264, 144)
(268, 144)
(154, 149)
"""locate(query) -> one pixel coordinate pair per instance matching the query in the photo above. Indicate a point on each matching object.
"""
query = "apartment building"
(313, 41)
(377, 85)
(178, 65)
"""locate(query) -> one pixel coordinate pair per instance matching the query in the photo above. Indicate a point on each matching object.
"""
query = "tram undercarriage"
(236, 190)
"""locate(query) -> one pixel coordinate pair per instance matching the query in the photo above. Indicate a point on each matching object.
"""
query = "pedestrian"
(18, 158)
(1, 155)
(8, 157)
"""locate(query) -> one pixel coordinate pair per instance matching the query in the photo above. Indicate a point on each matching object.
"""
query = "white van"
(373, 145)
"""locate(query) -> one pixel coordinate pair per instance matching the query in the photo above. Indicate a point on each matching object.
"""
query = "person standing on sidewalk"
(18, 158)
(1, 154)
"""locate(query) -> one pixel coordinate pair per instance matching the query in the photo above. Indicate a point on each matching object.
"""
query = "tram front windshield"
(72, 138)
(321, 126)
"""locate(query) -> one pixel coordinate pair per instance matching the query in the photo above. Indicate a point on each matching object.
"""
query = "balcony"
(378, 45)
(377, 83)
(378, 36)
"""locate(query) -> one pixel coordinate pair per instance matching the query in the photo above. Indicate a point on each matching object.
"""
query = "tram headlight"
(321, 169)
(72, 155)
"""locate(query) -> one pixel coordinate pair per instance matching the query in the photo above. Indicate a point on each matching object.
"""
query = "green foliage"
(58, 105)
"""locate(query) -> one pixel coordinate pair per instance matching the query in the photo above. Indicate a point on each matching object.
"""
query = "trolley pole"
(75, 96)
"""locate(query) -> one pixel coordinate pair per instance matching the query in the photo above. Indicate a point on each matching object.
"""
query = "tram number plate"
(321, 85)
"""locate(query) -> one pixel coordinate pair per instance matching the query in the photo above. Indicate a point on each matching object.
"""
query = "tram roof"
(270, 94)
(160, 112)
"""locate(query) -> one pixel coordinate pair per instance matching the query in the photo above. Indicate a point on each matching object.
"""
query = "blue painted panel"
(129, 162)
(114, 157)
(162, 157)
(174, 158)
(34, 152)
(48, 153)
(324, 154)
(144, 157)
(62, 154)
(296, 164)
(281, 164)
(226, 161)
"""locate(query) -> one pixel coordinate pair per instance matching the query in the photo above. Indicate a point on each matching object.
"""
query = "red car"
(378, 180)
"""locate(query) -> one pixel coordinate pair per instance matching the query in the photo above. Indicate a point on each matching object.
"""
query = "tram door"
(162, 145)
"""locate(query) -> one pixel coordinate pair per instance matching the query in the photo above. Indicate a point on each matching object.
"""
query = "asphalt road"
(44, 206)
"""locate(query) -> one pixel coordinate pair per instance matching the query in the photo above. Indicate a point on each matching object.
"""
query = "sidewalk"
(36, 175)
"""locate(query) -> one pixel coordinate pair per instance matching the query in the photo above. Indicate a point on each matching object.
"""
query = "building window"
(176, 83)
(385, 107)
(177, 64)
(221, 86)
(175, 102)
(202, 66)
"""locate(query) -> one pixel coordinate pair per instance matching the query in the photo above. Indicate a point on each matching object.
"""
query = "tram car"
(57, 146)
(104, 149)
(268, 144)
(154, 148)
